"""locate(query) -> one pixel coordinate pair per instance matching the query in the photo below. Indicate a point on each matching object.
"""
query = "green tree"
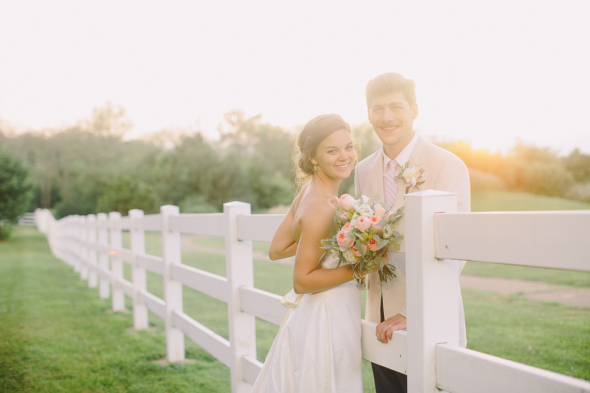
(124, 194)
(187, 170)
(230, 180)
(14, 191)
(269, 187)
(536, 170)
(109, 120)
(264, 153)
(579, 165)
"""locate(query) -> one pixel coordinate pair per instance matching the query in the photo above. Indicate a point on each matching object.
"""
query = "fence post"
(240, 272)
(172, 289)
(116, 263)
(137, 234)
(83, 256)
(92, 243)
(432, 289)
(104, 289)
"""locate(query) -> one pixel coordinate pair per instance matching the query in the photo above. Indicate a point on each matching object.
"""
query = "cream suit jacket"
(443, 172)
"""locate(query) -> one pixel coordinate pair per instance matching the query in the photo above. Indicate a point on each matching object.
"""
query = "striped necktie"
(391, 183)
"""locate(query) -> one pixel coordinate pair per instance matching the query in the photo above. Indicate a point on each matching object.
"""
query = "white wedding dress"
(318, 346)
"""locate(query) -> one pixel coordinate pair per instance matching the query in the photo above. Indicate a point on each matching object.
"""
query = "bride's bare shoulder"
(315, 210)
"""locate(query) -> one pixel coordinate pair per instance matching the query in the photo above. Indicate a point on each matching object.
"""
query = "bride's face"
(335, 155)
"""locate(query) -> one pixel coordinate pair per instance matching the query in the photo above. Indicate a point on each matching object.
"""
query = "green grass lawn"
(57, 335)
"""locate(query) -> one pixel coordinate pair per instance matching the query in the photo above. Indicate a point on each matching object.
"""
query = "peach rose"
(362, 223)
(356, 252)
(347, 227)
(344, 216)
(373, 245)
(345, 202)
(374, 221)
(344, 240)
(379, 210)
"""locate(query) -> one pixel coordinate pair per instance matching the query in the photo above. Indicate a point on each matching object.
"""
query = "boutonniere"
(411, 176)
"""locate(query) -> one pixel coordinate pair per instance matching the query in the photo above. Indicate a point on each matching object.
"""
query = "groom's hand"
(385, 329)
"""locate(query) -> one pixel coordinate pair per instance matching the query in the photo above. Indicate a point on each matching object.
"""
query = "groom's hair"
(390, 82)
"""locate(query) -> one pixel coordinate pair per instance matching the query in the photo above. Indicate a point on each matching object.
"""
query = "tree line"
(89, 167)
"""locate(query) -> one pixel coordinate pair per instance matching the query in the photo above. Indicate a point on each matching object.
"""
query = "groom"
(392, 108)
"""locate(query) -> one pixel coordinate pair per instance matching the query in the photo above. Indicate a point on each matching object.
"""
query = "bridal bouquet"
(363, 230)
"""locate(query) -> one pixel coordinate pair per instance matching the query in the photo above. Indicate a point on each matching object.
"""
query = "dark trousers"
(387, 380)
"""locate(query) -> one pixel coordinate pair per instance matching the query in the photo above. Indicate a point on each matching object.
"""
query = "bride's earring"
(315, 167)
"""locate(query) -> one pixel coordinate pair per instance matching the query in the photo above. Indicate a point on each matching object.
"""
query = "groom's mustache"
(388, 125)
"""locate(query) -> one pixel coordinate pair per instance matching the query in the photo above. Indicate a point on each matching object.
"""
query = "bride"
(318, 346)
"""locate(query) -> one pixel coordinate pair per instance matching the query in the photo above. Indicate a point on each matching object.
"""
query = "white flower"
(356, 205)
(354, 218)
(411, 175)
(387, 231)
(334, 253)
(365, 210)
(349, 256)
(365, 199)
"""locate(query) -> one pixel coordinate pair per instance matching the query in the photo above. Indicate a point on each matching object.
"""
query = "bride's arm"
(283, 243)
(307, 275)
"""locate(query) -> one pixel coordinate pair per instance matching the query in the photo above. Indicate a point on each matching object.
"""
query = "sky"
(490, 72)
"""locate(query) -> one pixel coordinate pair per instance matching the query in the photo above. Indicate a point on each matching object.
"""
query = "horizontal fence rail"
(557, 240)
(199, 224)
(462, 370)
(436, 236)
(262, 304)
(258, 227)
(202, 281)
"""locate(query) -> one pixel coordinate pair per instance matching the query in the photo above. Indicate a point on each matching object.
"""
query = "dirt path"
(539, 291)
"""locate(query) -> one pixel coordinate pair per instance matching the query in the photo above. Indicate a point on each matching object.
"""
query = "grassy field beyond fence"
(56, 335)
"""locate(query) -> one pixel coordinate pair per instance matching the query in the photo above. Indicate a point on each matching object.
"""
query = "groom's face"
(392, 118)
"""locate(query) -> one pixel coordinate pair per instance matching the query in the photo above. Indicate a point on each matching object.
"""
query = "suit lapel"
(416, 159)
(417, 156)
(376, 175)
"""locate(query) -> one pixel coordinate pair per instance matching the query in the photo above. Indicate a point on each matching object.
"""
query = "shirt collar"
(403, 156)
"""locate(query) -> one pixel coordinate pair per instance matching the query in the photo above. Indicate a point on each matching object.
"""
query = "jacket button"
(379, 287)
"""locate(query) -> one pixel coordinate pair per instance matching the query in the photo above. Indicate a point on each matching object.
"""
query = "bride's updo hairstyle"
(308, 140)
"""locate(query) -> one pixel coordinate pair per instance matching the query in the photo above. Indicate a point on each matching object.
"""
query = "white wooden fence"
(436, 237)
(27, 219)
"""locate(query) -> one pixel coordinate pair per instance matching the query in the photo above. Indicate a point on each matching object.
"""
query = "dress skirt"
(318, 346)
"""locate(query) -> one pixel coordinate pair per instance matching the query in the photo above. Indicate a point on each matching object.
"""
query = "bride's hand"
(384, 255)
